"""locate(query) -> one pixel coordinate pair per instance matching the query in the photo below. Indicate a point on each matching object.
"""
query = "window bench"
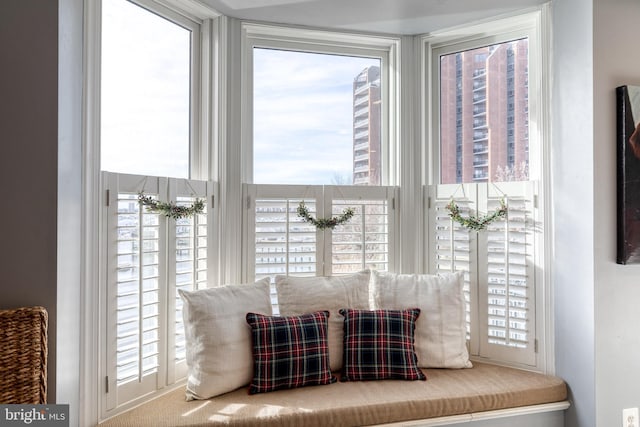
(448, 397)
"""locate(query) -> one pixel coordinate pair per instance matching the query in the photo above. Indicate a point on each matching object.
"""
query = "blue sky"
(303, 116)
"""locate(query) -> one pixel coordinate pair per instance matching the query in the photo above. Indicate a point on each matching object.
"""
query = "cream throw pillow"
(440, 336)
(219, 349)
(300, 295)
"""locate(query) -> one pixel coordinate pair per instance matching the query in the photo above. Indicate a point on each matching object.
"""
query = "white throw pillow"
(440, 336)
(219, 349)
(300, 295)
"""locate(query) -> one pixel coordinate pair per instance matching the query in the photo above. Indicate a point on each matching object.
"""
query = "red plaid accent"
(378, 345)
(289, 352)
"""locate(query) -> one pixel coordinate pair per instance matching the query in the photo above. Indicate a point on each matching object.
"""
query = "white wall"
(573, 205)
(617, 287)
(70, 24)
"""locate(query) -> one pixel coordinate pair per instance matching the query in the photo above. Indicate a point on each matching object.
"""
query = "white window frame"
(533, 25)
(202, 150)
(327, 42)
(256, 35)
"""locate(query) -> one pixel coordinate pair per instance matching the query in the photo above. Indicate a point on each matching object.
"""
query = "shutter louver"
(453, 247)
(138, 288)
(363, 242)
(510, 282)
(190, 265)
(284, 243)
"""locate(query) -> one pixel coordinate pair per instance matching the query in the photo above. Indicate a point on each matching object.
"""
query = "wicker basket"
(23, 355)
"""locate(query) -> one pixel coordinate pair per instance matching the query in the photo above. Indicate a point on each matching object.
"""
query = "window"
(316, 118)
(496, 160)
(146, 95)
(150, 143)
(320, 121)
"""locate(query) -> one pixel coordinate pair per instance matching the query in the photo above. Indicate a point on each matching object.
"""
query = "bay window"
(313, 116)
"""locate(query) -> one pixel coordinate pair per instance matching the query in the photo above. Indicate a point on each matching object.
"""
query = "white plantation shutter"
(507, 306)
(451, 247)
(499, 265)
(188, 263)
(367, 240)
(149, 257)
(279, 242)
(135, 280)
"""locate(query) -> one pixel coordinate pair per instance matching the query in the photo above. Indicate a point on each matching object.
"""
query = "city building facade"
(484, 118)
(366, 127)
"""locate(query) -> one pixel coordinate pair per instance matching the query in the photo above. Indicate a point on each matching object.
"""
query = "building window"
(496, 163)
(483, 107)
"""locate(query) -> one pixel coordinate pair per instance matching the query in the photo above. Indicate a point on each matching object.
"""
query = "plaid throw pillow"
(378, 345)
(289, 352)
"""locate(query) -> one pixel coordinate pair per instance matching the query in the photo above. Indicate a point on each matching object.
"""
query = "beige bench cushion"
(446, 392)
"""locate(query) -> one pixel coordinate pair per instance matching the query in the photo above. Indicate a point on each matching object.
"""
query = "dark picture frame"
(628, 171)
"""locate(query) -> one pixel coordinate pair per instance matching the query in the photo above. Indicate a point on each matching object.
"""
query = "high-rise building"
(366, 127)
(484, 114)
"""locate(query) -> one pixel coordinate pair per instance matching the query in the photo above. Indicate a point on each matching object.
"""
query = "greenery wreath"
(474, 222)
(322, 223)
(171, 209)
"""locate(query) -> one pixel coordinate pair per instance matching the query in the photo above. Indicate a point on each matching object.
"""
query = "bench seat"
(446, 392)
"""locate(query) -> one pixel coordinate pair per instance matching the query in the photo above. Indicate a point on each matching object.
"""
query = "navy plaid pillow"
(378, 345)
(289, 352)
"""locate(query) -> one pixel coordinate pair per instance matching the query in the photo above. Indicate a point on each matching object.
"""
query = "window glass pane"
(316, 118)
(484, 114)
(145, 95)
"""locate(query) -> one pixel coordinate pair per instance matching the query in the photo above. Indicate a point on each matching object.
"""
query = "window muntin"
(484, 113)
(316, 118)
(146, 93)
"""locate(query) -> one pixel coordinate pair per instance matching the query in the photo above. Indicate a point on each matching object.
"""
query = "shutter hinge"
(535, 201)
(213, 201)
(429, 202)
(108, 194)
(106, 383)
(535, 345)
(393, 203)
(248, 202)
